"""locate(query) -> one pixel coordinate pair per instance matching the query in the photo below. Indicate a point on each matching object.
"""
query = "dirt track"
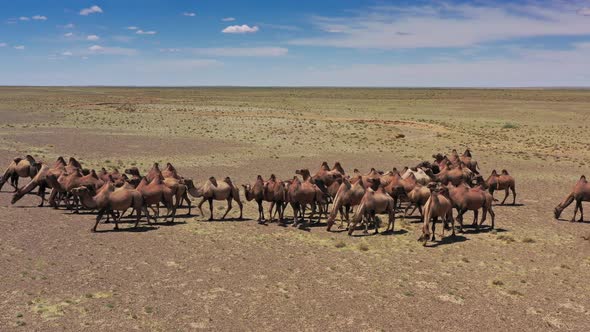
(529, 274)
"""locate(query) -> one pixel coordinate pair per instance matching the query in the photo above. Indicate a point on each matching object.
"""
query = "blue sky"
(483, 43)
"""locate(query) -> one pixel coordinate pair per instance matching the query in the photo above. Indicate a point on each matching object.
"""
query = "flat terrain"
(531, 273)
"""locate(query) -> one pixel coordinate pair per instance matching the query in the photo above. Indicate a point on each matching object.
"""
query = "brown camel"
(303, 193)
(417, 197)
(275, 192)
(348, 195)
(372, 203)
(438, 206)
(466, 199)
(580, 193)
(328, 176)
(502, 182)
(219, 191)
(25, 167)
(156, 192)
(40, 180)
(468, 161)
(256, 192)
(109, 199)
(370, 180)
(455, 175)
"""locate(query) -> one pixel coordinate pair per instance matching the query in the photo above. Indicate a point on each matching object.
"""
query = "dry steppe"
(531, 273)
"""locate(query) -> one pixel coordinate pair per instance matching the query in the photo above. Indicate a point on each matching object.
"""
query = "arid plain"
(530, 273)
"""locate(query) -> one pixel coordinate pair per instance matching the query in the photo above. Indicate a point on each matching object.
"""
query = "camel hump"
(61, 159)
(273, 177)
(30, 159)
(228, 180)
(505, 172)
(325, 166)
(583, 178)
(93, 174)
(17, 160)
(111, 179)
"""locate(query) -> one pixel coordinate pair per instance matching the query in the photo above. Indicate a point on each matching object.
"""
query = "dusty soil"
(529, 274)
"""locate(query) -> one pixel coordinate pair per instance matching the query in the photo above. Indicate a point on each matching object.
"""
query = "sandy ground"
(530, 273)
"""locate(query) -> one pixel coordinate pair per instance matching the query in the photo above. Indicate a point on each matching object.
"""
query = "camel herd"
(436, 189)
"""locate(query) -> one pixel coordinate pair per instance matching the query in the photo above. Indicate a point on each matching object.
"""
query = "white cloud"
(242, 51)
(131, 28)
(189, 14)
(97, 49)
(69, 26)
(3, 44)
(19, 47)
(141, 32)
(24, 18)
(92, 10)
(69, 34)
(40, 18)
(240, 29)
(443, 25)
(228, 19)
(67, 53)
(93, 38)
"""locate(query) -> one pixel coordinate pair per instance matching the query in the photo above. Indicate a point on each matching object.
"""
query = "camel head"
(304, 172)
(132, 171)
(557, 211)
(248, 192)
(18, 195)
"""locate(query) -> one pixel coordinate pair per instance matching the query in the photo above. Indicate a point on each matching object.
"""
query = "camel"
(170, 172)
(109, 199)
(466, 199)
(154, 172)
(303, 193)
(135, 176)
(374, 202)
(468, 161)
(386, 178)
(328, 176)
(40, 180)
(369, 180)
(66, 182)
(219, 191)
(178, 185)
(275, 192)
(421, 176)
(119, 179)
(256, 192)
(456, 175)
(438, 206)
(20, 168)
(348, 195)
(156, 192)
(502, 182)
(580, 193)
(399, 188)
(417, 197)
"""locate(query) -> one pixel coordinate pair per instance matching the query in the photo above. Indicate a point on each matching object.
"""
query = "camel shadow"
(228, 220)
(509, 205)
(398, 232)
(165, 223)
(138, 229)
(446, 240)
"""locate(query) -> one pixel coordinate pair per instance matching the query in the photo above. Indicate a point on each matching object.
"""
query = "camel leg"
(391, 221)
(578, 203)
(296, 207)
(406, 210)
(14, 182)
(492, 193)
(188, 202)
(484, 216)
(203, 200)
(260, 212)
(433, 228)
(493, 215)
(460, 214)
(581, 212)
(117, 220)
(475, 216)
(98, 217)
(421, 213)
(229, 207)
(210, 200)
(450, 216)
(513, 195)
(138, 218)
(241, 206)
(272, 205)
(505, 196)
(146, 212)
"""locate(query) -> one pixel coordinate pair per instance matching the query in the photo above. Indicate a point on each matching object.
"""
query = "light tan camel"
(438, 206)
(219, 191)
(372, 203)
(502, 182)
(25, 167)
